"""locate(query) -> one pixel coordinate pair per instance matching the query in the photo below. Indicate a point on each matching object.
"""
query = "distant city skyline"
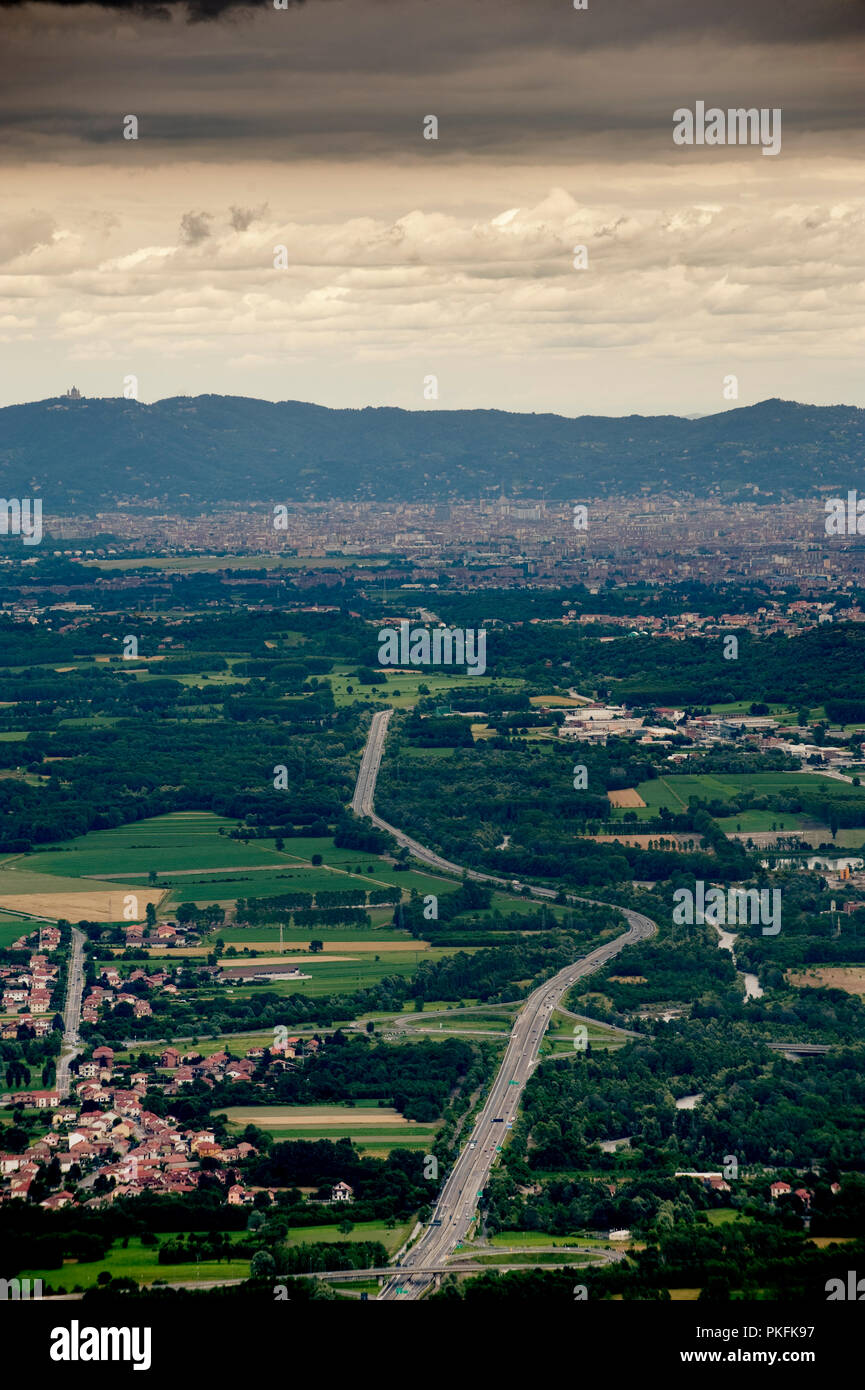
(409, 259)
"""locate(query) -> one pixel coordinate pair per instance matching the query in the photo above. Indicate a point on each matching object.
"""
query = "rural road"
(464, 1185)
(71, 1013)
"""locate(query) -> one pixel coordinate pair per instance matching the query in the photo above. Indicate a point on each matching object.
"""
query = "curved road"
(459, 1196)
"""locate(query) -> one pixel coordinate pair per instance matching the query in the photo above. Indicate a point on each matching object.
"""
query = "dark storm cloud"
(606, 21)
(195, 10)
(353, 79)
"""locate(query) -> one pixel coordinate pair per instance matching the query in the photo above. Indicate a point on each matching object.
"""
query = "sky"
(432, 273)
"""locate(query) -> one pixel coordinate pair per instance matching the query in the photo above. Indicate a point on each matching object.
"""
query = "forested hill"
(189, 451)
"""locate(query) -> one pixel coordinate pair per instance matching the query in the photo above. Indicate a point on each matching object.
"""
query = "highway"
(71, 1013)
(464, 1184)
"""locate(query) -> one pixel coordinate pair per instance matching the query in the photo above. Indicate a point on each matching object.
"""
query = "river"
(727, 941)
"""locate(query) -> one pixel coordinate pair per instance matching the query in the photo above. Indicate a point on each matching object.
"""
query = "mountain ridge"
(205, 450)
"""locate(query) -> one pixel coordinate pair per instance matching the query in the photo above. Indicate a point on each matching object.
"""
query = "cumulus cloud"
(689, 279)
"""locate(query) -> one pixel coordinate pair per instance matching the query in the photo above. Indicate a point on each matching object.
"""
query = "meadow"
(11, 928)
(746, 821)
(401, 688)
(343, 977)
(139, 1262)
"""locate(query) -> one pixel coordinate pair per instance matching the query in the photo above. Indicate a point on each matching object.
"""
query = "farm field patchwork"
(194, 862)
(672, 791)
(54, 896)
(374, 1128)
(183, 840)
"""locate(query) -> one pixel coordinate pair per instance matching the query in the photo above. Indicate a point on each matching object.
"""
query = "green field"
(534, 1238)
(343, 976)
(674, 790)
(11, 928)
(765, 820)
(724, 1216)
(22, 876)
(139, 1262)
(399, 689)
(193, 564)
(375, 1128)
(300, 936)
(465, 1023)
(850, 837)
(543, 1257)
(184, 840)
(561, 1033)
(204, 866)
(237, 1044)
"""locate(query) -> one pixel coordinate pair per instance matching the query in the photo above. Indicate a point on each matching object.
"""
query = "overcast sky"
(409, 258)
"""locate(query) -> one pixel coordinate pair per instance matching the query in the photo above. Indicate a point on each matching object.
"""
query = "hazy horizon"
(436, 406)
